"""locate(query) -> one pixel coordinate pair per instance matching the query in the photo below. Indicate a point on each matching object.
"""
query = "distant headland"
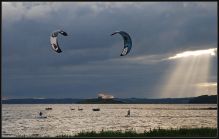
(204, 99)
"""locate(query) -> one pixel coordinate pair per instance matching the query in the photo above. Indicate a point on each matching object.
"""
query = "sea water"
(23, 119)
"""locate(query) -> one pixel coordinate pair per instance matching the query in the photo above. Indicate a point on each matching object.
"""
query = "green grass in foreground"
(182, 132)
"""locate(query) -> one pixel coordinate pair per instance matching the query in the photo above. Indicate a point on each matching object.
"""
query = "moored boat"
(96, 109)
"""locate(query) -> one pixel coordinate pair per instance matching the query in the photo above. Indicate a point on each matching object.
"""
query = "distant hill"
(155, 101)
(205, 99)
(41, 101)
(100, 101)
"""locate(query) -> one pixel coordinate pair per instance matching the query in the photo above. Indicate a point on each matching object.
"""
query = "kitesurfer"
(40, 113)
(128, 114)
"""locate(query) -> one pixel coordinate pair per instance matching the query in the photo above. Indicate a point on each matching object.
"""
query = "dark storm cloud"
(90, 61)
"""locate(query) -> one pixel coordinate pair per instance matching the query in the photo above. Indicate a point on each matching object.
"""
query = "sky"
(91, 63)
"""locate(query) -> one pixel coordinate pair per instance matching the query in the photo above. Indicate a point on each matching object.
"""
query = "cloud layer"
(90, 62)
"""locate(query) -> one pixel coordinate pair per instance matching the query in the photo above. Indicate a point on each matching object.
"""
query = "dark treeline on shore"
(205, 99)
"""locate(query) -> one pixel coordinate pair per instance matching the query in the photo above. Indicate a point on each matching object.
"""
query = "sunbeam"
(211, 51)
(190, 69)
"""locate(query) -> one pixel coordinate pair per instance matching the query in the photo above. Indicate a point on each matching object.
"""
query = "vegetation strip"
(181, 132)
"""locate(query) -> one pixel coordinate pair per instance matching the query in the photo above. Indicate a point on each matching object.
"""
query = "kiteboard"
(41, 117)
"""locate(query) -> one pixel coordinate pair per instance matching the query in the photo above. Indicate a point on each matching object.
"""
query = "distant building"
(105, 96)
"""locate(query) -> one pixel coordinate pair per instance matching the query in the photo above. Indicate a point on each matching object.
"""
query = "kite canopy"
(54, 40)
(127, 42)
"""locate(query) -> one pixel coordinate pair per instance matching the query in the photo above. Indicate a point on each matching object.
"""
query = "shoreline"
(172, 132)
(180, 132)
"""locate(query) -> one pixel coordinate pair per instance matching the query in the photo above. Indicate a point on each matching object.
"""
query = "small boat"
(48, 108)
(80, 109)
(96, 109)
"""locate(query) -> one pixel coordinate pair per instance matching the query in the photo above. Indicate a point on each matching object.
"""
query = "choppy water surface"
(21, 119)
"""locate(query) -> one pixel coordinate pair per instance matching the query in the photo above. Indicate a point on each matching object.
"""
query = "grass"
(181, 132)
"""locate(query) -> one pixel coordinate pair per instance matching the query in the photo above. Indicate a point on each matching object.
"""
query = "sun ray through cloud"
(190, 68)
